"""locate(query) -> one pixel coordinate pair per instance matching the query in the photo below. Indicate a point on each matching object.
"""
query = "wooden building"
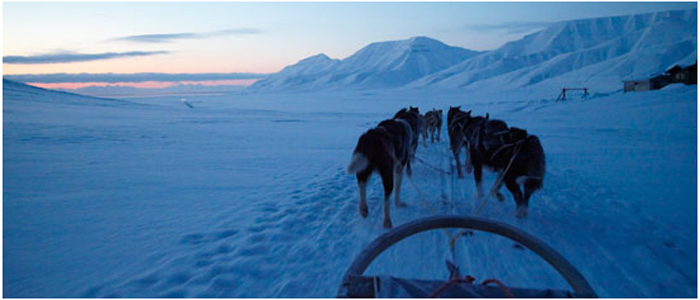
(687, 75)
(676, 74)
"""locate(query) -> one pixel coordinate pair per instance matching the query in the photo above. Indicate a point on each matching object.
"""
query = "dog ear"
(469, 113)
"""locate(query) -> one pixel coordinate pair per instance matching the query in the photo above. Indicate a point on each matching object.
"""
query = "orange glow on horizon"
(142, 85)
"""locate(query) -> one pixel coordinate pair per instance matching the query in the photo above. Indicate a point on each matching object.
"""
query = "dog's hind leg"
(459, 165)
(468, 160)
(397, 187)
(362, 179)
(499, 196)
(409, 171)
(514, 189)
(388, 182)
(478, 172)
(529, 186)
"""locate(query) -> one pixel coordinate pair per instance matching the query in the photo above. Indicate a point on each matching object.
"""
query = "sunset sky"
(255, 38)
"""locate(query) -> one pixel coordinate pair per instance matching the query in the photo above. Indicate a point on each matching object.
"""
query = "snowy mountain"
(378, 65)
(305, 71)
(599, 52)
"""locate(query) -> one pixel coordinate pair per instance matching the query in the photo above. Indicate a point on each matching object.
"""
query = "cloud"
(509, 27)
(158, 38)
(68, 57)
(170, 37)
(136, 77)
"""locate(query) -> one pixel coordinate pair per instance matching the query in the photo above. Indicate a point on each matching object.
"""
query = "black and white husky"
(493, 144)
(523, 157)
(385, 149)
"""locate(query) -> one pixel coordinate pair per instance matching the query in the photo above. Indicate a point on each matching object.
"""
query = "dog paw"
(500, 197)
(364, 211)
(387, 224)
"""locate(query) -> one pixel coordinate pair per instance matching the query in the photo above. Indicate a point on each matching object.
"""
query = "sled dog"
(433, 122)
(385, 149)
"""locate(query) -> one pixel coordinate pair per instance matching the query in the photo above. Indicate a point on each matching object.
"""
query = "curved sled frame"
(581, 287)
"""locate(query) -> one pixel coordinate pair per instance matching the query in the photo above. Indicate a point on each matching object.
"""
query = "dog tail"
(358, 163)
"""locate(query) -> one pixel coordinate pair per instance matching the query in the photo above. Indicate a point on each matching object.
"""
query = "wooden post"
(562, 96)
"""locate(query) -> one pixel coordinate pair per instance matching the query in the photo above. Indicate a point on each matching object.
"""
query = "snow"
(246, 195)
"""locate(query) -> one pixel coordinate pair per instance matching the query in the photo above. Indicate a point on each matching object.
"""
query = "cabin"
(687, 75)
(654, 83)
(676, 74)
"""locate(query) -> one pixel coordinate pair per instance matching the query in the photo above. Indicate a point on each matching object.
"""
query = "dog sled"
(357, 285)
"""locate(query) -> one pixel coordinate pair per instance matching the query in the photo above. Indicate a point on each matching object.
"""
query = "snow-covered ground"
(246, 195)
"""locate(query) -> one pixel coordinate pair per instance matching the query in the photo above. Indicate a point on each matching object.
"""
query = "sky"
(242, 40)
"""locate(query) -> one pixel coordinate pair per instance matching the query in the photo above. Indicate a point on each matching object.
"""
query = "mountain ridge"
(625, 47)
(377, 65)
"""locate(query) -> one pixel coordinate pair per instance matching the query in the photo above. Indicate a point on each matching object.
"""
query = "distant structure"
(676, 74)
(562, 96)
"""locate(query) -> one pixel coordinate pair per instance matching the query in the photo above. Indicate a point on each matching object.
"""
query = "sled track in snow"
(300, 243)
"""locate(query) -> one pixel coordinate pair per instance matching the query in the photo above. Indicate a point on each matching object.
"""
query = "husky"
(410, 116)
(493, 144)
(423, 128)
(433, 122)
(385, 149)
(456, 121)
(467, 131)
(527, 168)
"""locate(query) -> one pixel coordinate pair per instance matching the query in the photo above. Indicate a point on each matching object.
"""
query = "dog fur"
(456, 121)
(385, 149)
(412, 117)
(527, 169)
(423, 129)
(493, 144)
(433, 122)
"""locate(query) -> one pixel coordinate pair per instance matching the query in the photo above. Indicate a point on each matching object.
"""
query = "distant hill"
(17, 91)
